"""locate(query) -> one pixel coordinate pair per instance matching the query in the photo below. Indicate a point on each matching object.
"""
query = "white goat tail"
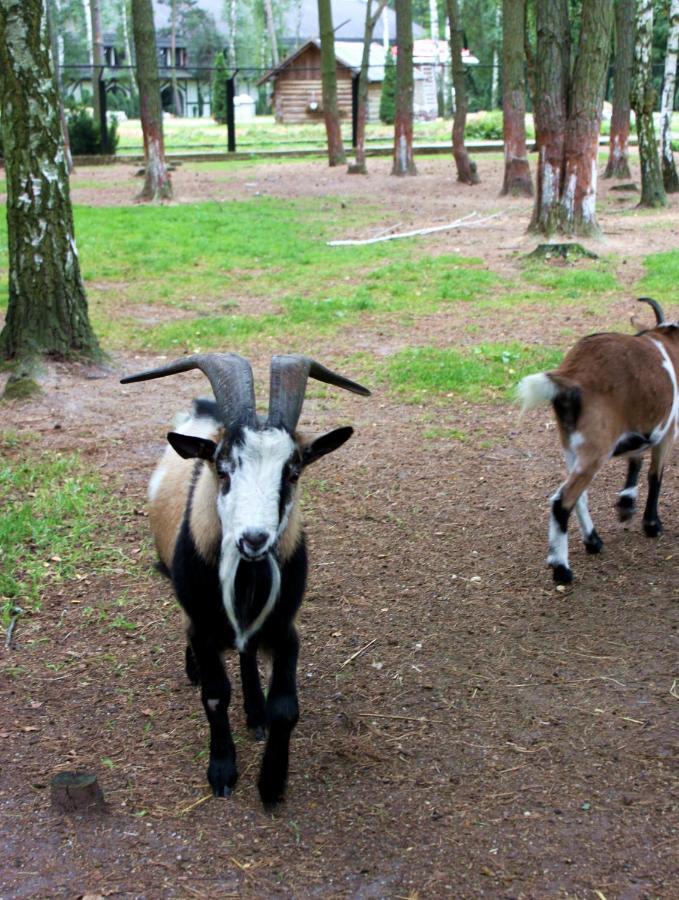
(536, 389)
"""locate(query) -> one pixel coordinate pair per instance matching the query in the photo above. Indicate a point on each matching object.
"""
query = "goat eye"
(224, 480)
(293, 476)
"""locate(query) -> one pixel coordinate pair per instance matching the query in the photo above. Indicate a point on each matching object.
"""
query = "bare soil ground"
(497, 738)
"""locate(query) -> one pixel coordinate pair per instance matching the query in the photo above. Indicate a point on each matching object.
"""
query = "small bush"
(388, 96)
(83, 133)
(486, 126)
(219, 80)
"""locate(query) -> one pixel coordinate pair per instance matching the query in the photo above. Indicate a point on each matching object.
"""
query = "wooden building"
(297, 91)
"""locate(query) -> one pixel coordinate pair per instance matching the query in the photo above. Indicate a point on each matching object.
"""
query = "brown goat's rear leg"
(567, 498)
(652, 524)
(627, 498)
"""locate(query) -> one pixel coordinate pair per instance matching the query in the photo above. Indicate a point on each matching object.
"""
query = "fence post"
(103, 125)
(354, 109)
(231, 113)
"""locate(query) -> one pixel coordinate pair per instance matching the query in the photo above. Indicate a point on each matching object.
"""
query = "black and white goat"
(225, 516)
(613, 395)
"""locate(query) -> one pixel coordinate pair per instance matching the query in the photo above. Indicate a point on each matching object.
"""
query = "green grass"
(50, 529)
(487, 371)
(662, 280)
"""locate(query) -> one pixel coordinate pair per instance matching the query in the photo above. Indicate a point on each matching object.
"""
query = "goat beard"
(228, 567)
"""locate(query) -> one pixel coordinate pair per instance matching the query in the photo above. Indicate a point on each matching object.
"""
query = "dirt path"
(498, 738)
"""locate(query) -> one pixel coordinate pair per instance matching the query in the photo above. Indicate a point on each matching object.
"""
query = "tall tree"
(53, 11)
(371, 17)
(336, 154)
(568, 115)
(669, 170)
(157, 184)
(466, 169)
(643, 104)
(233, 26)
(47, 312)
(517, 180)
(404, 163)
(173, 57)
(271, 32)
(97, 55)
(618, 157)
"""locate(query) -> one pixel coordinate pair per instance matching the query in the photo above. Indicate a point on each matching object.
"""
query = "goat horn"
(289, 376)
(230, 376)
(657, 309)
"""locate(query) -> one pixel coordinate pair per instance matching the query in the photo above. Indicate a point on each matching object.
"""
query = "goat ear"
(325, 444)
(189, 447)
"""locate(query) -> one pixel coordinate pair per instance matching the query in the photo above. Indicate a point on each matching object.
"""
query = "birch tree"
(336, 154)
(47, 312)
(157, 184)
(466, 169)
(568, 115)
(618, 156)
(517, 180)
(669, 170)
(371, 18)
(97, 55)
(271, 31)
(643, 103)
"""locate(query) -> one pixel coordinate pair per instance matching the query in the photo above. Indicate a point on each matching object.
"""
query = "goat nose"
(253, 541)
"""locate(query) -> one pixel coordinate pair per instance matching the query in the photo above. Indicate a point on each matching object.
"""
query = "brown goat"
(613, 395)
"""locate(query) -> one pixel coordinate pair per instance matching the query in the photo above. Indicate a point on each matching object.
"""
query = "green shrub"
(83, 133)
(219, 80)
(388, 96)
(486, 126)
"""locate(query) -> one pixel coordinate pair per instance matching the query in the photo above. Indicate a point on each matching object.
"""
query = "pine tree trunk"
(359, 167)
(618, 159)
(578, 199)
(403, 112)
(669, 170)
(271, 31)
(552, 73)
(97, 56)
(157, 184)
(47, 312)
(517, 180)
(336, 154)
(643, 103)
(466, 169)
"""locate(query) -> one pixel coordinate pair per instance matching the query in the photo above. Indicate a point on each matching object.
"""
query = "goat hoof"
(222, 776)
(593, 544)
(271, 792)
(258, 732)
(653, 529)
(562, 574)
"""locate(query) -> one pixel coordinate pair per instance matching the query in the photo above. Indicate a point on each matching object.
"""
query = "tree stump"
(77, 792)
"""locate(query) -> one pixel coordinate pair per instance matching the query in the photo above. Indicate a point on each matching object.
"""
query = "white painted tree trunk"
(669, 170)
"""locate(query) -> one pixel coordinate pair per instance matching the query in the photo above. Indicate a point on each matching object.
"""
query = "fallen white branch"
(458, 223)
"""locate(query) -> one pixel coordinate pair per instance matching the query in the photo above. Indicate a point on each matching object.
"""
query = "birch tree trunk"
(126, 34)
(669, 170)
(552, 73)
(618, 158)
(53, 17)
(47, 312)
(517, 180)
(233, 27)
(359, 167)
(403, 117)
(173, 59)
(271, 31)
(97, 56)
(336, 154)
(435, 34)
(88, 29)
(643, 103)
(577, 214)
(157, 184)
(466, 168)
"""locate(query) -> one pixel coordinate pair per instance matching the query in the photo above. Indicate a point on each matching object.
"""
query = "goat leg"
(282, 713)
